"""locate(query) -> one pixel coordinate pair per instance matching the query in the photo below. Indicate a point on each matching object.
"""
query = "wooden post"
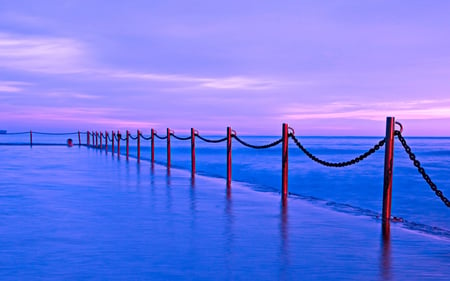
(106, 141)
(388, 170)
(229, 157)
(153, 146)
(118, 143)
(113, 139)
(284, 161)
(168, 148)
(192, 152)
(128, 144)
(138, 146)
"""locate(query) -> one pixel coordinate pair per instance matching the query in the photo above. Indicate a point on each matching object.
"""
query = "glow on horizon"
(328, 68)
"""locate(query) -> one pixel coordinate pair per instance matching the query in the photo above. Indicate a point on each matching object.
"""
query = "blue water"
(357, 189)
(79, 213)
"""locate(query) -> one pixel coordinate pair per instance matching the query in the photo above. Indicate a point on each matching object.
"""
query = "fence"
(95, 140)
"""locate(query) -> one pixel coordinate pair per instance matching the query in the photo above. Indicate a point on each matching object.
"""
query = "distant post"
(138, 146)
(128, 143)
(192, 152)
(229, 157)
(388, 172)
(79, 138)
(153, 145)
(106, 141)
(113, 139)
(88, 138)
(118, 143)
(168, 148)
(101, 139)
(284, 161)
(31, 138)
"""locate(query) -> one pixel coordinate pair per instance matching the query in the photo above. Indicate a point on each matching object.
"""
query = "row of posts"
(388, 162)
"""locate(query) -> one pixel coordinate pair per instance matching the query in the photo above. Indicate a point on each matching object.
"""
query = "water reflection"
(284, 240)
(385, 260)
(228, 233)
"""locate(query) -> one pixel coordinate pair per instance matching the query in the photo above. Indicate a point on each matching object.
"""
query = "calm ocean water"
(80, 213)
(356, 189)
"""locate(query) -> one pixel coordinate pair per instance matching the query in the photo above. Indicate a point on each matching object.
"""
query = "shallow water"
(78, 213)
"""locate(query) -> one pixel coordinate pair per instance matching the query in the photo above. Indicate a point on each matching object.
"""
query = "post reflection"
(228, 233)
(385, 260)
(284, 240)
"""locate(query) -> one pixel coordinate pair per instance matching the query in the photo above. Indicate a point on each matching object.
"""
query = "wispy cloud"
(12, 86)
(416, 109)
(41, 54)
(54, 55)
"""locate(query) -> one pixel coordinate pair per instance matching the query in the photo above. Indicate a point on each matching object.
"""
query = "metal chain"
(133, 138)
(109, 138)
(275, 143)
(338, 164)
(211, 141)
(161, 138)
(18, 133)
(146, 138)
(55, 134)
(421, 170)
(180, 138)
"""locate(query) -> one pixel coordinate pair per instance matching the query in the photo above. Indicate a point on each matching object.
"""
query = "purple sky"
(324, 67)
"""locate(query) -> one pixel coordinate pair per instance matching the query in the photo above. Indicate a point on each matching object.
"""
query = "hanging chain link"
(275, 143)
(146, 138)
(421, 170)
(180, 138)
(211, 141)
(338, 164)
(159, 137)
(133, 138)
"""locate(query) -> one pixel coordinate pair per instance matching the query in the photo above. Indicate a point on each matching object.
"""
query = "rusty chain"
(338, 164)
(421, 170)
(211, 141)
(275, 143)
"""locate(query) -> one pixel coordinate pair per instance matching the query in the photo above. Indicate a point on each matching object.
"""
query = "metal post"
(101, 140)
(168, 148)
(31, 138)
(93, 139)
(138, 146)
(284, 161)
(153, 146)
(79, 139)
(228, 156)
(88, 134)
(192, 152)
(388, 169)
(96, 139)
(118, 143)
(128, 145)
(106, 141)
(113, 139)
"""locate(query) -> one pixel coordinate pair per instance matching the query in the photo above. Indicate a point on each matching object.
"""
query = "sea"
(356, 189)
(83, 213)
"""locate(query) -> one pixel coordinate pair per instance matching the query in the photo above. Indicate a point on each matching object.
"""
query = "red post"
(228, 156)
(138, 146)
(153, 146)
(31, 138)
(168, 148)
(79, 138)
(96, 139)
(93, 139)
(113, 139)
(128, 145)
(284, 161)
(118, 143)
(88, 138)
(192, 152)
(106, 141)
(388, 169)
(101, 139)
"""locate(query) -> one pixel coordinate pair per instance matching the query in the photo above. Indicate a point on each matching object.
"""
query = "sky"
(324, 67)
